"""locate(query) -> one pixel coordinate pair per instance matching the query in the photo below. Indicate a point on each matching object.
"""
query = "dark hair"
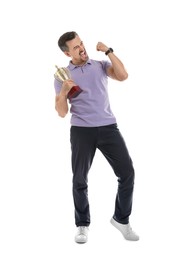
(68, 36)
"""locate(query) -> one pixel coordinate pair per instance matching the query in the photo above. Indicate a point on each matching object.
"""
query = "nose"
(81, 48)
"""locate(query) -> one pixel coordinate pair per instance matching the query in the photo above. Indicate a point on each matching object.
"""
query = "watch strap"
(110, 50)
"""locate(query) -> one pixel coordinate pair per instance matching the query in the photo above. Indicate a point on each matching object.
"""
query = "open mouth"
(83, 54)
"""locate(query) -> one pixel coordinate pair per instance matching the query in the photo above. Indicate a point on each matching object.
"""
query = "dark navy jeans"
(108, 139)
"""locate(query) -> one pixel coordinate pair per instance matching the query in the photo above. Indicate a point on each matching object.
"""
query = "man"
(94, 126)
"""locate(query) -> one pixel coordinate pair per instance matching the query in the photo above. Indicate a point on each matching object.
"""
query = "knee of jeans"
(131, 171)
(79, 185)
(132, 175)
(127, 176)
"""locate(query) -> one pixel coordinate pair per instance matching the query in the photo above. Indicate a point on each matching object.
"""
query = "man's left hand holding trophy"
(68, 85)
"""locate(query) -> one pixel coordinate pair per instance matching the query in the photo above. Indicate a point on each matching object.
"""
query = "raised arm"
(117, 70)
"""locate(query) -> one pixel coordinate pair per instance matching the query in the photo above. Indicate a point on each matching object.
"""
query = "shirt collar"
(72, 66)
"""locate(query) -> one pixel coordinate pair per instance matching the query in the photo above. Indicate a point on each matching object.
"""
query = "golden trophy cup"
(63, 74)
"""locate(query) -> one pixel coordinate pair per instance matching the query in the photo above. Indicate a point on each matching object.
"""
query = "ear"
(67, 54)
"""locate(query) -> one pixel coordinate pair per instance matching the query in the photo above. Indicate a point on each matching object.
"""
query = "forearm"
(61, 104)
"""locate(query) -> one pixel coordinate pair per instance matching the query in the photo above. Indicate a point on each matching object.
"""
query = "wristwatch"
(108, 51)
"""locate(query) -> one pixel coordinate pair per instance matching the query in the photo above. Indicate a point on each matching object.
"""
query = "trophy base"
(74, 92)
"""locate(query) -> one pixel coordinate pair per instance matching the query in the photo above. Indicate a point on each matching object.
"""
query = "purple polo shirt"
(91, 108)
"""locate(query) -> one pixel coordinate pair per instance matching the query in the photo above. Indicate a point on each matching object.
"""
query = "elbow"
(123, 77)
(60, 112)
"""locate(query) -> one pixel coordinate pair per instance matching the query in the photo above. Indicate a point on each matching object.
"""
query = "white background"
(36, 206)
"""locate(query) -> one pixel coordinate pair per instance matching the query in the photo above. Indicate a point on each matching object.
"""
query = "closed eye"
(78, 46)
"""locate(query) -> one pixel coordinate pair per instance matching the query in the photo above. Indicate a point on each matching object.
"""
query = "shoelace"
(129, 230)
(82, 230)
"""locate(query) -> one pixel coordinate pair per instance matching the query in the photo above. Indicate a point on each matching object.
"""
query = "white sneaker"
(82, 235)
(126, 230)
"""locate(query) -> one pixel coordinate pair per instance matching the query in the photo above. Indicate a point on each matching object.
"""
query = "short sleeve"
(57, 86)
(105, 65)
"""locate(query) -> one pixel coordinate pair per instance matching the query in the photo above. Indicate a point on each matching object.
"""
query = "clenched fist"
(67, 85)
(101, 47)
